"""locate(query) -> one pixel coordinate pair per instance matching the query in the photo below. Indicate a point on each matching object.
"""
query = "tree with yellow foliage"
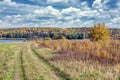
(100, 33)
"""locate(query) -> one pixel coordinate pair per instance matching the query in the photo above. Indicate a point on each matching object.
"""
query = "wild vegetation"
(83, 60)
(105, 52)
(60, 60)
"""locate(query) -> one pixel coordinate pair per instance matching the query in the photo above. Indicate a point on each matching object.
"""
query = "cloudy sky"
(59, 13)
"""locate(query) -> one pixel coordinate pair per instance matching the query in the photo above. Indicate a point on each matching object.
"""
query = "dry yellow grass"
(105, 52)
(83, 59)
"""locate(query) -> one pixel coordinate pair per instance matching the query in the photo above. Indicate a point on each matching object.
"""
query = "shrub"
(99, 32)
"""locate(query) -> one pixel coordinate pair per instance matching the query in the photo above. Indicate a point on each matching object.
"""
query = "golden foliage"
(103, 54)
(85, 49)
(99, 32)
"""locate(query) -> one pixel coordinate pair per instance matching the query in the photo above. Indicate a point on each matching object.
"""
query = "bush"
(99, 32)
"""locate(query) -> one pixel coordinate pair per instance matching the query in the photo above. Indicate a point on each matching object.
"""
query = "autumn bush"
(76, 50)
(99, 32)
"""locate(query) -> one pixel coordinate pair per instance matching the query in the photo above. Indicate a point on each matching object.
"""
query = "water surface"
(11, 41)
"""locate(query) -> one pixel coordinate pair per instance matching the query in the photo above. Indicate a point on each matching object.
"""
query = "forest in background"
(52, 33)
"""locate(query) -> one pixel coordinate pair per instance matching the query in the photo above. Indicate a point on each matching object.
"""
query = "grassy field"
(56, 60)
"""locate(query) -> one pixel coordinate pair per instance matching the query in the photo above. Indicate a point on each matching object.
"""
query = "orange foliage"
(85, 50)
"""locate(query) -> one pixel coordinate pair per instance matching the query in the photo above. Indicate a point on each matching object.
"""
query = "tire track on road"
(57, 71)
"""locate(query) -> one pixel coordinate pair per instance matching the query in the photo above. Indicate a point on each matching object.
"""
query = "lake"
(12, 41)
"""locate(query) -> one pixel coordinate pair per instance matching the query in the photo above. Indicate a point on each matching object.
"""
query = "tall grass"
(76, 50)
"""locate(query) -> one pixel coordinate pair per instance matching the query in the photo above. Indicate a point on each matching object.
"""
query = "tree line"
(52, 33)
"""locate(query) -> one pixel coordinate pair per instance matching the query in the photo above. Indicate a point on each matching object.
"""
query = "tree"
(99, 32)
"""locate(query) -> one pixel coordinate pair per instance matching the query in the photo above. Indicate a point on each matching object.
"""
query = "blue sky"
(59, 13)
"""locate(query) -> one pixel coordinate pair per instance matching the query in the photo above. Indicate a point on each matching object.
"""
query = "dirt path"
(57, 72)
(18, 74)
(17, 71)
(35, 68)
(24, 64)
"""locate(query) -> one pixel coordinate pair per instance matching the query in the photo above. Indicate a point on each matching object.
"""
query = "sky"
(59, 13)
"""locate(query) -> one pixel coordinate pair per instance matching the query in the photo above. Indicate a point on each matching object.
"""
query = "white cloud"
(70, 13)
(8, 3)
(84, 6)
(116, 20)
(57, 1)
(78, 13)
(118, 3)
(68, 18)
(4, 24)
(106, 1)
(47, 11)
(97, 4)
(32, 15)
(89, 13)
(70, 10)
(90, 22)
(114, 11)
(112, 25)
